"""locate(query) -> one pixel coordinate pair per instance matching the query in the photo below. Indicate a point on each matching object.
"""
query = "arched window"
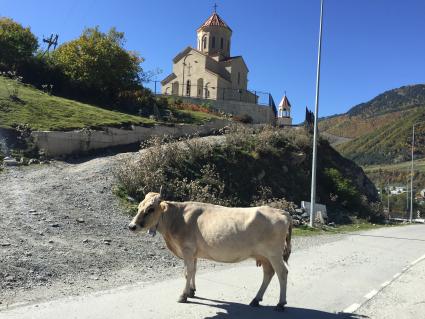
(200, 87)
(213, 42)
(188, 88)
(204, 42)
(221, 43)
(175, 88)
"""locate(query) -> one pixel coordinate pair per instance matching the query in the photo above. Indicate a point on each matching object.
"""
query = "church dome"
(215, 21)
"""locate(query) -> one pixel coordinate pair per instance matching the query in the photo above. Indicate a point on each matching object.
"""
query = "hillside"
(246, 169)
(397, 174)
(379, 131)
(41, 111)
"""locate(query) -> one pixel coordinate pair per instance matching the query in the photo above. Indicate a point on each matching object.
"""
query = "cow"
(193, 230)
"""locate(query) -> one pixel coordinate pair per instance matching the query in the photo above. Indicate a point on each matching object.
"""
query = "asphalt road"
(341, 279)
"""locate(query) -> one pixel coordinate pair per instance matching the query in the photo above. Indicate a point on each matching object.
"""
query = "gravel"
(63, 232)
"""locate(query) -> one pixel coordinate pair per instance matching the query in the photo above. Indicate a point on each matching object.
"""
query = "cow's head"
(148, 214)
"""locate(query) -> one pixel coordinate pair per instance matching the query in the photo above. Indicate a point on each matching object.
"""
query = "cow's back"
(232, 234)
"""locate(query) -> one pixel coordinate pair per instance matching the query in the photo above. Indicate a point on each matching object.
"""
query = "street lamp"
(316, 118)
(184, 64)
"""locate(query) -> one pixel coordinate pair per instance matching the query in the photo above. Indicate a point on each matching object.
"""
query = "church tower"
(284, 112)
(214, 37)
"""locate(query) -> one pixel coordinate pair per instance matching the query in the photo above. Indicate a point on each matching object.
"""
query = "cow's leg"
(282, 273)
(189, 263)
(192, 283)
(268, 273)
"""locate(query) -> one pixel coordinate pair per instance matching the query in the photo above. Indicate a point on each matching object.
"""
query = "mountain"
(379, 131)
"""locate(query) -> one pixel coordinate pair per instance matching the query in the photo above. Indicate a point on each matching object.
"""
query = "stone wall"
(55, 143)
(259, 113)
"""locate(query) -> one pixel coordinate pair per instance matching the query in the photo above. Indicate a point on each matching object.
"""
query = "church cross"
(215, 7)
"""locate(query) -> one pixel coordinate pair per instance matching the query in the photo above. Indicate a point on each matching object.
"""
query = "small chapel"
(210, 71)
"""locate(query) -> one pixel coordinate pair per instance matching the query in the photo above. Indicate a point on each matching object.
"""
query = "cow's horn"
(160, 192)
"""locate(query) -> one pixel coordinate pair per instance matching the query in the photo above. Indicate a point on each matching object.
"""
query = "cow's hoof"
(280, 307)
(255, 303)
(182, 299)
(192, 293)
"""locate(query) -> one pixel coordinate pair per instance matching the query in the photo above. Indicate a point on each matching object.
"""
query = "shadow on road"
(235, 310)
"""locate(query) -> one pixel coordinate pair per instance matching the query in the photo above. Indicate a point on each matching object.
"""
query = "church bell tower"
(214, 37)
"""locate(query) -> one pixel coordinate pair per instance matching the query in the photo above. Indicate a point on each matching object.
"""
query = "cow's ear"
(164, 206)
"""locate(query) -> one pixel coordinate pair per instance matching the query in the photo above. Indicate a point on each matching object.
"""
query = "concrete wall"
(55, 143)
(259, 113)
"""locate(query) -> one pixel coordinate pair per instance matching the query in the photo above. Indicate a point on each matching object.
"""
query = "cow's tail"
(287, 249)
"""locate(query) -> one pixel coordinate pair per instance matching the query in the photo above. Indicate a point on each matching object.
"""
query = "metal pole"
(411, 175)
(316, 117)
(388, 197)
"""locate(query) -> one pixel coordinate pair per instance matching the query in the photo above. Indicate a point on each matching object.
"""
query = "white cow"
(194, 230)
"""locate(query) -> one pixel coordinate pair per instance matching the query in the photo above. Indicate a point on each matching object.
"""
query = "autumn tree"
(98, 61)
(17, 44)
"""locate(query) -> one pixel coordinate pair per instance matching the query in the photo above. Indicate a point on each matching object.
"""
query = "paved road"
(346, 275)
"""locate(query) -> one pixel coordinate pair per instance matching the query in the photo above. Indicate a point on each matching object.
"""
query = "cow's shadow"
(235, 310)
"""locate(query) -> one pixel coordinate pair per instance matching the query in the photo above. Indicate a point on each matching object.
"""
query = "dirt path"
(63, 232)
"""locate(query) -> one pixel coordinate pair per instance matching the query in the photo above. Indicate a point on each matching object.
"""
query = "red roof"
(284, 102)
(214, 20)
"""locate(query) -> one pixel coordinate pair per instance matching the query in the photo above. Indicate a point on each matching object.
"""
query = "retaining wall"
(55, 143)
(259, 113)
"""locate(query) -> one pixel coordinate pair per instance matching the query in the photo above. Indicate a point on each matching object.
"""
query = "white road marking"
(396, 275)
(371, 294)
(385, 284)
(352, 308)
(417, 260)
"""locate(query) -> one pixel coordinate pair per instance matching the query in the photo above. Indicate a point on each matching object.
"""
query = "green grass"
(339, 229)
(193, 117)
(41, 111)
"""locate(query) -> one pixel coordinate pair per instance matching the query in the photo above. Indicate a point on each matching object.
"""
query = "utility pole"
(388, 197)
(316, 118)
(411, 175)
(51, 41)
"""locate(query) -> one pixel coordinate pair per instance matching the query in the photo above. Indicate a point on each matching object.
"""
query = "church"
(209, 71)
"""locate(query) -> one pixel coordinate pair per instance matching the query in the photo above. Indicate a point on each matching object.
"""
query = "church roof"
(284, 102)
(214, 20)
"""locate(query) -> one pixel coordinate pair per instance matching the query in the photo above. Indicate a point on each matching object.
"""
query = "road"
(340, 279)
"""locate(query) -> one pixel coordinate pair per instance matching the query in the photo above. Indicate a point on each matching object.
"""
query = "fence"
(212, 93)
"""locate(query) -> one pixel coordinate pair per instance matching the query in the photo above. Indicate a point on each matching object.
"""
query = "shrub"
(247, 167)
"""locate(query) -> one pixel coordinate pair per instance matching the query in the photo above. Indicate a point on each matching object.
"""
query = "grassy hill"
(41, 111)
(379, 131)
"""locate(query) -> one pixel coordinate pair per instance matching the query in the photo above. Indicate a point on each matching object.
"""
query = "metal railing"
(211, 93)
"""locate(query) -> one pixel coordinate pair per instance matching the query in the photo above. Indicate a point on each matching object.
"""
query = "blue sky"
(369, 46)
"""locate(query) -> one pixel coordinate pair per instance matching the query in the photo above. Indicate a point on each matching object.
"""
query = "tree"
(17, 44)
(98, 61)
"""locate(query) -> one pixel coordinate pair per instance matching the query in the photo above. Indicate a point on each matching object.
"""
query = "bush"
(244, 168)
(244, 118)
(17, 44)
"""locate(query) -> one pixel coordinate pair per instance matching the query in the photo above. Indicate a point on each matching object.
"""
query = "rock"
(305, 215)
(28, 254)
(10, 161)
(33, 161)
(299, 211)
(107, 241)
(55, 225)
(32, 211)
(10, 278)
(51, 241)
(331, 224)
(5, 244)
(85, 241)
(80, 220)
(131, 199)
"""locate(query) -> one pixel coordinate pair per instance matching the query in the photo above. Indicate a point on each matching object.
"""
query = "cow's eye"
(150, 210)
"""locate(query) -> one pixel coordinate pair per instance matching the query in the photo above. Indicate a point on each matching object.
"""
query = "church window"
(188, 88)
(204, 42)
(221, 43)
(213, 42)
